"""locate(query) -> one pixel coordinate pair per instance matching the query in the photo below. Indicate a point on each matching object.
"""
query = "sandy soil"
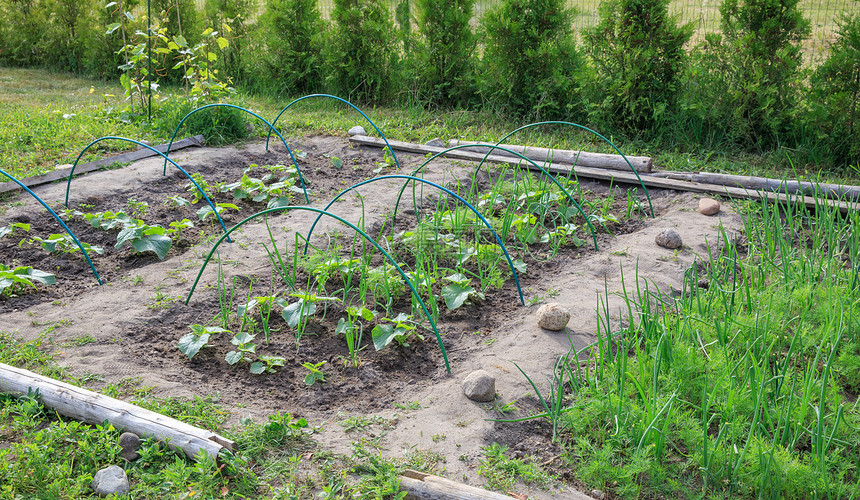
(133, 339)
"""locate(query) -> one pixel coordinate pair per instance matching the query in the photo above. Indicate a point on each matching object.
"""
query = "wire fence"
(705, 16)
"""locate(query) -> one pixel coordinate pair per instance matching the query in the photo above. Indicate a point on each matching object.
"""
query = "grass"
(35, 137)
(45, 455)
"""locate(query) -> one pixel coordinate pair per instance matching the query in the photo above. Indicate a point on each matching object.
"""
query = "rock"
(436, 143)
(130, 443)
(553, 317)
(110, 481)
(480, 386)
(139, 147)
(357, 130)
(668, 238)
(599, 495)
(708, 206)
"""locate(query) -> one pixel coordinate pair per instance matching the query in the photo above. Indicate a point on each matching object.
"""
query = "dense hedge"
(634, 74)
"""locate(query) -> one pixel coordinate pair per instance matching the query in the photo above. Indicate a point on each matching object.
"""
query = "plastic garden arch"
(576, 125)
(341, 100)
(271, 128)
(553, 179)
(166, 159)
(86, 255)
(359, 231)
(455, 195)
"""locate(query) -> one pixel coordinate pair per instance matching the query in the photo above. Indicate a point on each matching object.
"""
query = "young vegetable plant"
(10, 229)
(316, 374)
(459, 291)
(245, 349)
(398, 329)
(297, 313)
(64, 243)
(265, 304)
(14, 280)
(353, 330)
(267, 364)
(191, 343)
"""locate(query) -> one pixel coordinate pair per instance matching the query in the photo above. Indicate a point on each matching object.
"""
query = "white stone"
(110, 481)
(480, 386)
(357, 130)
(668, 238)
(552, 316)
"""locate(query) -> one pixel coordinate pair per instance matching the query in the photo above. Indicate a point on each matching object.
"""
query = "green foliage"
(234, 18)
(398, 329)
(446, 52)
(64, 243)
(179, 18)
(15, 280)
(191, 343)
(530, 59)
(747, 81)
(293, 33)
(638, 54)
(835, 95)
(359, 53)
(315, 373)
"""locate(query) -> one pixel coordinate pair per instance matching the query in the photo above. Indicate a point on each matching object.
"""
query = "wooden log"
(84, 168)
(565, 156)
(648, 180)
(790, 186)
(94, 408)
(421, 486)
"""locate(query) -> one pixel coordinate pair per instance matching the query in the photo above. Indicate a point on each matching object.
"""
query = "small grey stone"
(552, 316)
(130, 443)
(708, 206)
(480, 386)
(139, 147)
(357, 130)
(436, 143)
(668, 238)
(599, 495)
(110, 481)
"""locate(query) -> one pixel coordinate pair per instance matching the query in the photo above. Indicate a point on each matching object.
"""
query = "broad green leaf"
(155, 242)
(341, 326)
(283, 201)
(456, 294)
(520, 266)
(257, 367)
(222, 42)
(385, 333)
(190, 344)
(40, 276)
(296, 311)
(234, 357)
(242, 338)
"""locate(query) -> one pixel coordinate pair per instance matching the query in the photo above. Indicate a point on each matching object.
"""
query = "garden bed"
(127, 330)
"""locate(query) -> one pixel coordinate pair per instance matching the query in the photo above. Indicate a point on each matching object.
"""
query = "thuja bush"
(747, 80)
(638, 54)
(359, 53)
(530, 61)
(446, 51)
(835, 95)
(293, 33)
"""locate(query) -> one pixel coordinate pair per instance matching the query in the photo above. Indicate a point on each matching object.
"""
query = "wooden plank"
(789, 186)
(565, 156)
(84, 168)
(619, 177)
(94, 408)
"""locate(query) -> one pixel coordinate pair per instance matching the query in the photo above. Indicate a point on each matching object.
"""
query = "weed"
(503, 472)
